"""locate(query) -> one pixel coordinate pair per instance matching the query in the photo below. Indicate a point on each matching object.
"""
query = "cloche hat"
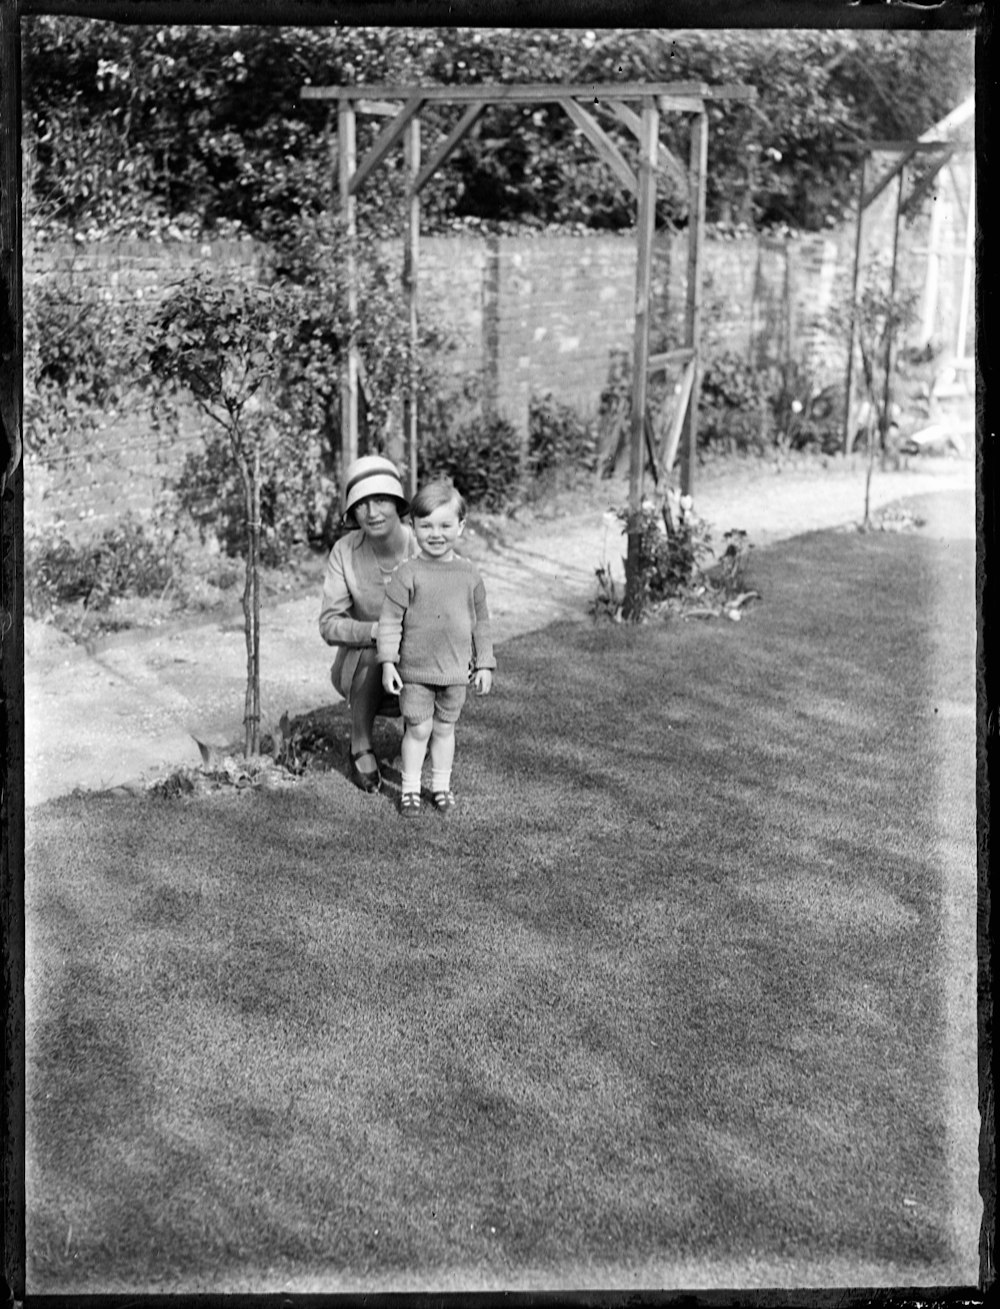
(372, 475)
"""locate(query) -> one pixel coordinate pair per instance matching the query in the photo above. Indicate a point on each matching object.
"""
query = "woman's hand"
(391, 680)
(483, 681)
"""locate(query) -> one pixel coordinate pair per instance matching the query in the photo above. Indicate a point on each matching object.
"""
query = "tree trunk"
(866, 521)
(250, 475)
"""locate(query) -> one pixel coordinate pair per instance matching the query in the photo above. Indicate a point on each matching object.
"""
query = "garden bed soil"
(132, 705)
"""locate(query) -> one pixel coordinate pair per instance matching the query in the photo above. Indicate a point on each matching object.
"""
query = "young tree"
(881, 314)
(223, 343)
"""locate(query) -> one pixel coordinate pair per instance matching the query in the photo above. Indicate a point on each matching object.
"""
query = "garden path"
(126, 710)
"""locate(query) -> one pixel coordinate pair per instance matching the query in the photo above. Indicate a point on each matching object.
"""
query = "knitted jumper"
(434, 625)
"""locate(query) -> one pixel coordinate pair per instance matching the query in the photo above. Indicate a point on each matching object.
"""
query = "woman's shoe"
(370, 782)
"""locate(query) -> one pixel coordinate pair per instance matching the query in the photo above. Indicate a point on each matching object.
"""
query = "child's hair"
(434, 495)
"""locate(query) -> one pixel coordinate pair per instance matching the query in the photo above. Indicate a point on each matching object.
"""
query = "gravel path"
(129, 709)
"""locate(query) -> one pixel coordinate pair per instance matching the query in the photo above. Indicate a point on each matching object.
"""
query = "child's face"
(438, 531)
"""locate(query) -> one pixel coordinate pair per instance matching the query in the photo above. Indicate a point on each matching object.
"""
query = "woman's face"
(377, 515)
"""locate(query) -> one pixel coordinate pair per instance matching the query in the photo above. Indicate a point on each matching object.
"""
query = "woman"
(359, 566)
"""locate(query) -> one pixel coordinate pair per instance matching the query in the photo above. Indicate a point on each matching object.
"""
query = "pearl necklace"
(387, 572)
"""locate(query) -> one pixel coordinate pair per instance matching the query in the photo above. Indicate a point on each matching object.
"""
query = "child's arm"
(482, 642)
(483, 681)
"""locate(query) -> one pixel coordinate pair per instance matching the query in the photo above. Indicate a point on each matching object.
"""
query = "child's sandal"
(409, 804)
(444, 802)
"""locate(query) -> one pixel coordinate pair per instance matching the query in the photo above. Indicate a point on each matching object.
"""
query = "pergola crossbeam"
(667, 160)
(377, 108)
(525, 92)
(624, 115)
(384, 142)
(457, 134)
(601, 142)
(659, 362)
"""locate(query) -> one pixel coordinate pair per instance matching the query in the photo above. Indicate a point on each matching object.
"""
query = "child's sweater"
(434, 625)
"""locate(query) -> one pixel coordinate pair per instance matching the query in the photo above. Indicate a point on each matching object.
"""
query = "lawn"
(664, 1003)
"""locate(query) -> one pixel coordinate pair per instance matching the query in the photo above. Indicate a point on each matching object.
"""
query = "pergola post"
(410, 282)
(347, 166)
(649, 133)
(692, 334)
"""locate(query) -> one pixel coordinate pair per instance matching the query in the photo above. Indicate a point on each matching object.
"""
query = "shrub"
(803, 415)
(671, 547)
(482, 456)
(130, 558)
(559, 438)
(733, 412)
(298, 501)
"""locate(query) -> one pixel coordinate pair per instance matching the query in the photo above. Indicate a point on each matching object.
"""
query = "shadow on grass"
(668, 986)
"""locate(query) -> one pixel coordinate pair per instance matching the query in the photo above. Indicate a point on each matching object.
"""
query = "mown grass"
(668, 988)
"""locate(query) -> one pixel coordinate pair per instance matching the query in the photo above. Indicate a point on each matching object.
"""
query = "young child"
(434, 638)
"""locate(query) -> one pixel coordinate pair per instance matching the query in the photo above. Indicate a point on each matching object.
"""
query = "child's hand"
(483, 681)
(391, 680)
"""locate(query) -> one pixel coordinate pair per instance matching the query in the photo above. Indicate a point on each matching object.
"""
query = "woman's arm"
(337, 625)
(390, 625)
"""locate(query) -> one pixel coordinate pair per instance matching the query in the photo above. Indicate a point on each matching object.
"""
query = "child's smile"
(438, 531)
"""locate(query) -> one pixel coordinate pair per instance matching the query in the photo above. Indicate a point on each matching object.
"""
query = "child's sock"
(440, 780)
(411, 783)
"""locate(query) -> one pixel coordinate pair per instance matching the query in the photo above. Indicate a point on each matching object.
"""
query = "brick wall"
(530, 314)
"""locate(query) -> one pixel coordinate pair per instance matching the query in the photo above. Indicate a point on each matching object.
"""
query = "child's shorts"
(419, 703)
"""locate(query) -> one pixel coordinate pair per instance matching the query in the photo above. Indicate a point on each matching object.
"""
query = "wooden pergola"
(934, 153)
(636, 105)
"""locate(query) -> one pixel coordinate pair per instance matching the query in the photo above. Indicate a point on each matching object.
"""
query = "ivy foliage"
(190, 129)
(78, 347)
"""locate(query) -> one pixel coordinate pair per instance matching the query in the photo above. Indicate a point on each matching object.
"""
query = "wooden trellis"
(636, 105)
